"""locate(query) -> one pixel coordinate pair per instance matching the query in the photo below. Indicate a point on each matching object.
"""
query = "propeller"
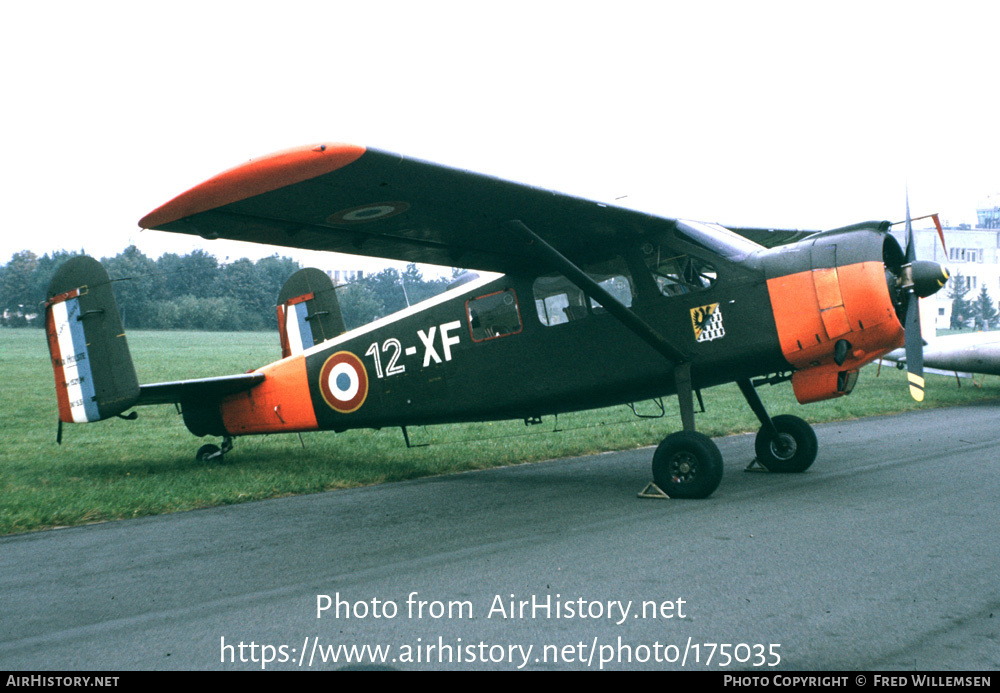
(920, 279)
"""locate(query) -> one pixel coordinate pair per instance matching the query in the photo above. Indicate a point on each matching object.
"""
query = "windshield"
(719, 240)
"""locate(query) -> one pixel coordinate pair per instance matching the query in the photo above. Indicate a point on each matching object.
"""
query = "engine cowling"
(833, 301)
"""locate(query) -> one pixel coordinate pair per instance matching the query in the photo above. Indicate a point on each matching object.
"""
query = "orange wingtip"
(255, 177)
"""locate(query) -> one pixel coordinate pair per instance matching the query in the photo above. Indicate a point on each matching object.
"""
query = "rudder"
(308, 311)
(95, 378)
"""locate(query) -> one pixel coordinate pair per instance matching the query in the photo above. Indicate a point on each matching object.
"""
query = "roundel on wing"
(343, 381)
(369, 212)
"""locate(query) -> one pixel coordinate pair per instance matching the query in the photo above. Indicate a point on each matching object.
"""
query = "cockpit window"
(716, 239)
(677, 274)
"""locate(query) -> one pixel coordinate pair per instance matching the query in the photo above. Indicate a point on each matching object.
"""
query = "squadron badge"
(707, 323)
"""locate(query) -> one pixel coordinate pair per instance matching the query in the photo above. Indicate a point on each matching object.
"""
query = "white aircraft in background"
(969, 352)
(975, 352)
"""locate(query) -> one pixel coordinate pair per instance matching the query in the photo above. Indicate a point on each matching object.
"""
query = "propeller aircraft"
(595, 305)
(975, 352)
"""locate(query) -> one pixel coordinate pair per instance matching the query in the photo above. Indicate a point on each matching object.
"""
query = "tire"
(208, 452)
(799, 439)
(687, 464)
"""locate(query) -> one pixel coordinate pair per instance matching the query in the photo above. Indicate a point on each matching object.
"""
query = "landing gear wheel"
(687, 464)
(208, 452)
(794, 451)
(214, 452)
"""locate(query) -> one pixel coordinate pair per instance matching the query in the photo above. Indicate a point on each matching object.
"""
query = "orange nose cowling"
(815, 309)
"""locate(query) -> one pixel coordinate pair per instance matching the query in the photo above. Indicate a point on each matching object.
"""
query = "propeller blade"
(913, 341)
(911, 250)
(914, 344)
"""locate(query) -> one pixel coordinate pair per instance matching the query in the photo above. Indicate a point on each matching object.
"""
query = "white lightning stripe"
(469, 288)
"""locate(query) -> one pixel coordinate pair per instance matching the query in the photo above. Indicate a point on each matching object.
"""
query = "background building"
(345, 276)
(988, 214)
(972, 259)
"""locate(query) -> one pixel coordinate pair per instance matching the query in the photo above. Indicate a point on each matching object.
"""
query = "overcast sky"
(801, 115)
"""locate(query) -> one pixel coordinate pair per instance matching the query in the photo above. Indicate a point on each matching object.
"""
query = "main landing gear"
(210, 452)
(784, 444)
(793, 449)
(688, 464)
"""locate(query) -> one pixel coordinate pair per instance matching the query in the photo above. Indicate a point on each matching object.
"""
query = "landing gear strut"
(687, 464)
(214, 452)
(785, 443)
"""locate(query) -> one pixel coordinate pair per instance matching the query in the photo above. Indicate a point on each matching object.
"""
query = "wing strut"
(642, 329)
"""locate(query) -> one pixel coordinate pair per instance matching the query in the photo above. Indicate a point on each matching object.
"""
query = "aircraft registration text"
(387, 358)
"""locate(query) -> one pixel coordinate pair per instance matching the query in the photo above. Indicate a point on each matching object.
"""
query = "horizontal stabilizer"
(198, 389)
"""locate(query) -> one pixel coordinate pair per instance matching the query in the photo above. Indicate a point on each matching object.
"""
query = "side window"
(619, 286)
(677, 274)
(558, 300)
(493, 315)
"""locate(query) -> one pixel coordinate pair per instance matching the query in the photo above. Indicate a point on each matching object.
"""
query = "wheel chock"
(653, 491)
(756, 466)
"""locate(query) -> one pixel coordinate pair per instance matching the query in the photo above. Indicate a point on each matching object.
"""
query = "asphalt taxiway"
(884, 555)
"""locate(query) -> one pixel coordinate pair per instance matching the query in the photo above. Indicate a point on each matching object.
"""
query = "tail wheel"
(793, 451)
(208, 452)
(687, 464)
(214, 452)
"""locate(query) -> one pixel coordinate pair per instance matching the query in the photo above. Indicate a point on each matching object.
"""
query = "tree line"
(980, 312)
(197, 292)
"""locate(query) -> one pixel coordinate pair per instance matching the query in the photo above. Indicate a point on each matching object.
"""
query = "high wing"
(350, 199)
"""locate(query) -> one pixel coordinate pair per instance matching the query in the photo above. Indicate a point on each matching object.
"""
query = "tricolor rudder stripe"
(71, 359)
(296, 334)
(94, 375)
(343, 381)
(308, 311)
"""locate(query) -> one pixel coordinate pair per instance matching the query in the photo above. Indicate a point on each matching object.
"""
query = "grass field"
(120, 469)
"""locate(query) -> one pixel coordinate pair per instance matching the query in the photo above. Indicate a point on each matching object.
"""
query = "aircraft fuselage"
(532, 344)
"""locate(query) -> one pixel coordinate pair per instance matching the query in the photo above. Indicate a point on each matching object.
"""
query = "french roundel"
(343, 381)
(370, 212)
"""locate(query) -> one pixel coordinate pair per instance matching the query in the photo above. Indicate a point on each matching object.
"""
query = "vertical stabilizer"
(308, 311)
(95, 378)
